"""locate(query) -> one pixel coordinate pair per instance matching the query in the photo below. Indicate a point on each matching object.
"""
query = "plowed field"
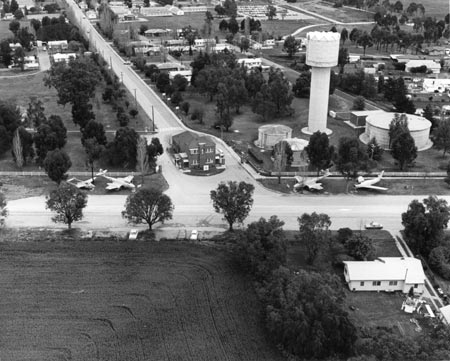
(125, 302)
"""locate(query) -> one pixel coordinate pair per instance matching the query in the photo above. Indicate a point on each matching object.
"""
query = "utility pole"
(135, 99)
(153, 118)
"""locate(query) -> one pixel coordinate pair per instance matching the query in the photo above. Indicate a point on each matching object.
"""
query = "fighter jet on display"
(310, 183)
(369, 183)
(87, 184)
(117, 183)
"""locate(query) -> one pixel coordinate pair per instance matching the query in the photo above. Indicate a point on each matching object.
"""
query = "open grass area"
(19, 91)
(126, 301)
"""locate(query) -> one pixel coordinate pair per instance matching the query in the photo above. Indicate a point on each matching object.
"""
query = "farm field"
(126, 301)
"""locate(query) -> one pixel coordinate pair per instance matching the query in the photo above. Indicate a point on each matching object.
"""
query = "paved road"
(191, 194)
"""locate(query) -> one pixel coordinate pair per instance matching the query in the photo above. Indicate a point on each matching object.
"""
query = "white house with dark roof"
(387, 274)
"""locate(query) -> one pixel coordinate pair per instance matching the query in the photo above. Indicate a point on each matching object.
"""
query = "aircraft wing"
(113, 186)
(315, 186)
(128, 179)
(373, 187)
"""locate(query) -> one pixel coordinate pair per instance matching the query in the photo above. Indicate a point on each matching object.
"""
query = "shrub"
(439, 261)
(343, 234)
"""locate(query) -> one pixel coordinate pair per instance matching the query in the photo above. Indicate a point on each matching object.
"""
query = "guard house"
(194, 151)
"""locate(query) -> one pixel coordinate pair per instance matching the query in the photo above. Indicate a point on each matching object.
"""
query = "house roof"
(188, 140)
(430, 64)
(406, 269)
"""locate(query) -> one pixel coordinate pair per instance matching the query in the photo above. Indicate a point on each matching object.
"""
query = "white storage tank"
(377, 126)
(271, 134)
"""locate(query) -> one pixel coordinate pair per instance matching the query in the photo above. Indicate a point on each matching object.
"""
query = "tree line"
(76, 84)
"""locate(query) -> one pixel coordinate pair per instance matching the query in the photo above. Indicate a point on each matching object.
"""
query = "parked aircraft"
(369, 183)
(86, 184)
(117, 183)
(310, 183)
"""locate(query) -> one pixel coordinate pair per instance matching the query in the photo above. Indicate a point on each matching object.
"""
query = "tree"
(122, 150)
(271, 12)
(425, 223)
(82, 113)
(234, 200)
(374, 151)
(179, 83)
(291, 46)
(56, 164)
(302, 86)
(244, 45)
(162, 82)
(68, 202)
(398, 125)
(344, 35)
(17, 149)
(350, 157)
(262, 248)
(365, 40)
(305, 317)
(133, 112)
(148, 206)
(185, 107)
(343, 59)
(93, 150)
(35, 112)
(19, 57)
(5, 52)
(26, 145)
(154, 150)
(263, 104)
(441, 137)
(320, 152)
(233, 26)
(313, 233)
(18, 14)
(142, 157)
(49, 136)
(359, 103)
(14, 6)
(14, 26)
(360, 247)
(404, 149)
(94, 130)
(280, 91)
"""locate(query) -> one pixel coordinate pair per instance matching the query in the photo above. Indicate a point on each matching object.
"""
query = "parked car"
(127, 62)
(133, 234)
(194, 235)
(374, 225)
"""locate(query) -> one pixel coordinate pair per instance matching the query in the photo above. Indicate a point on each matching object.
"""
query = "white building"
(186, 73)
(436, 85)
(430, 64)
(58, 57)
(387, 274)
(250, 63)
(58, 44)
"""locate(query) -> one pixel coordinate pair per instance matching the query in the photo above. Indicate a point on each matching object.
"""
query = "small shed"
(271, 134)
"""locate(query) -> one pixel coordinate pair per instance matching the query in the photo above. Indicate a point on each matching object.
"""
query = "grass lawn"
(372, 308)
(19, 91)
(132, 301)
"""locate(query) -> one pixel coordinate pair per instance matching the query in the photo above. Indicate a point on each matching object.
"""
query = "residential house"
(387, 274)
(196, 151)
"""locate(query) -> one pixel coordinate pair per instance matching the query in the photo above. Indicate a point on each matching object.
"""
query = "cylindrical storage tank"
(377, 126)
(271, 134)
(321, 54)
(323, 49)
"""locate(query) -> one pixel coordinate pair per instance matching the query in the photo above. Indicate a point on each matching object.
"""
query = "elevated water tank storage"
(377, 125)
(271, 134)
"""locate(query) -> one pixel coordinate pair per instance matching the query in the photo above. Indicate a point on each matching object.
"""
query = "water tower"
(322, 52)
